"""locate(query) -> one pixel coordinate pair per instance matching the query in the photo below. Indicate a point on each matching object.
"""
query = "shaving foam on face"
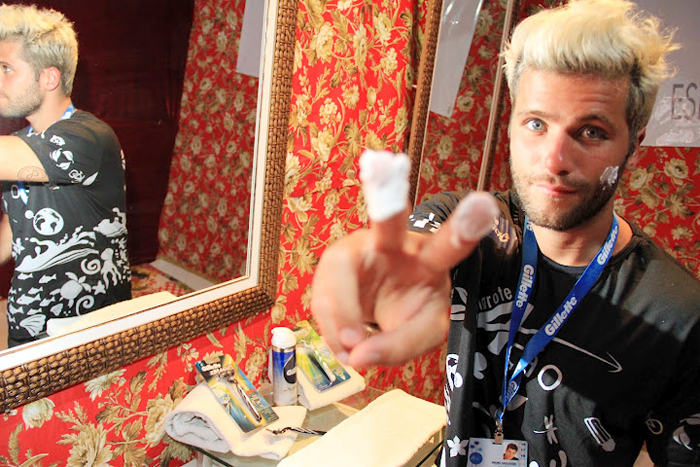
(609, 175)
(473, 218)
(384, 177)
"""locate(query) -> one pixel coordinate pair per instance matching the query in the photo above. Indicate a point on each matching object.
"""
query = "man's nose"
(556, 156)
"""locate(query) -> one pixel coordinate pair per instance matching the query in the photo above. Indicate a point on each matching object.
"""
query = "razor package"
(315, 360)
(236, 393)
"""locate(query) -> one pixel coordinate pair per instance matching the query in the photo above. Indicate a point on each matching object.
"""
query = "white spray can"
(283, 362)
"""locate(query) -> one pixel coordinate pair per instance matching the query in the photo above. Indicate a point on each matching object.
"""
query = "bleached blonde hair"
(47, 39)
(605, 38)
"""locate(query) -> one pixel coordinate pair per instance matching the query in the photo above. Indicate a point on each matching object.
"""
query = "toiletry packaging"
(283, 367)
(316, 360)
(235, 392)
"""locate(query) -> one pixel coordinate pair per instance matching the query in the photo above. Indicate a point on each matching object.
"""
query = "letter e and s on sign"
(685, 101)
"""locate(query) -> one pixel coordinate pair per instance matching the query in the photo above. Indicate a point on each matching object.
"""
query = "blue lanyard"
(547, 332)
(21, 187)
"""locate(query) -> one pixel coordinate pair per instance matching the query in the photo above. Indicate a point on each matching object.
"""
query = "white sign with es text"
(676, 117)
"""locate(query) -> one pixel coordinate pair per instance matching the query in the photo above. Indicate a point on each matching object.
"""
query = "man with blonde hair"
(63, 199)
(570, 329)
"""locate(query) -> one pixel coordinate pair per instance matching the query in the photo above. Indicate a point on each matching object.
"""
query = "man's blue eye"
(535, 125)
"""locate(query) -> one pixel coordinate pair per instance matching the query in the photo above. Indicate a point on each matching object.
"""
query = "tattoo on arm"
(31, 173)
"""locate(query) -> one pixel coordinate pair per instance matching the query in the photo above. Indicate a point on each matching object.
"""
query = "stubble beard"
(564, 217)
(23, 105)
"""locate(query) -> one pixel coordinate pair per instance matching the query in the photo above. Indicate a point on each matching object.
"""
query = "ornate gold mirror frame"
(53, 364)
(424, 85)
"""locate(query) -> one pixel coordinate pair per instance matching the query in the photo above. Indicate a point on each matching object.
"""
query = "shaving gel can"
(283, 362)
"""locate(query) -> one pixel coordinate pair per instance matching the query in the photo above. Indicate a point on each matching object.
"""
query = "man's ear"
(50, 78)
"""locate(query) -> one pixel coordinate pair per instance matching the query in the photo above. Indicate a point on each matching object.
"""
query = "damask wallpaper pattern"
(345, 99)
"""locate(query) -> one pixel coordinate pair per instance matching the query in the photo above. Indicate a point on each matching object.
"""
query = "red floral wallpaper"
(353, 74)
(346, 98)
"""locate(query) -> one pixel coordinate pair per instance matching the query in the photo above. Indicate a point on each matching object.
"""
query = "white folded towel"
(313, 399)
(386, 433)
(200, 420)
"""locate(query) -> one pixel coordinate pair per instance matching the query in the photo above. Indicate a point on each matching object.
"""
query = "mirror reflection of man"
(63, 200)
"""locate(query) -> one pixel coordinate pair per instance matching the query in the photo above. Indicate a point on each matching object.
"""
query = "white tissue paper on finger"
(385, 186)
(386, 433)
(200, 420)
(311, 398)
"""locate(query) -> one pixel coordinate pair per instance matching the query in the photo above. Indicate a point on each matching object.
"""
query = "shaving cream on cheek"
(384, 178)
(609, 175)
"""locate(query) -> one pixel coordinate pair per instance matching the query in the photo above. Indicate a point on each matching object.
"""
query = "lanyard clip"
(498, 434)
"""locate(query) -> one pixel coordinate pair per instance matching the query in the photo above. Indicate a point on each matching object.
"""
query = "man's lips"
(556, 190)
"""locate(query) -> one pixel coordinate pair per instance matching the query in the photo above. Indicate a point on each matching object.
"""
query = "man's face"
(20, 94)
(569, 143)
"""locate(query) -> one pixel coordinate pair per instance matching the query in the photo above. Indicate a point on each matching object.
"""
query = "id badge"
(483, 452)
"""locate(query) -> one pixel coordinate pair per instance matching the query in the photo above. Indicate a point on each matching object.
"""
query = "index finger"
(385, 186)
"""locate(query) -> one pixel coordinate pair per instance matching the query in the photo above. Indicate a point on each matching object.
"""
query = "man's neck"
(578, 246)
(51, 111)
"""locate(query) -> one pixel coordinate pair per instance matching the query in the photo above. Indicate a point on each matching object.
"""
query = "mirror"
(203, 227)
(421, 114)
(37, 370)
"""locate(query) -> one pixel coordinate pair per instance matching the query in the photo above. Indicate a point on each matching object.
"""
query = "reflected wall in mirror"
(39, 369)
(453, 146)
(204, 223)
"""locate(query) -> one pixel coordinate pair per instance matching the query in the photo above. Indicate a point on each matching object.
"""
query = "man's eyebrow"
(534, 113)
(598, 118)
(593, 117)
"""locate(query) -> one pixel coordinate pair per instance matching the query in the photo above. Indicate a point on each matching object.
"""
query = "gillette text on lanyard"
(547, 332)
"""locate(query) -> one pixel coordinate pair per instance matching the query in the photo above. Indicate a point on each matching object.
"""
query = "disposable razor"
(320, 362)
(231, 378)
